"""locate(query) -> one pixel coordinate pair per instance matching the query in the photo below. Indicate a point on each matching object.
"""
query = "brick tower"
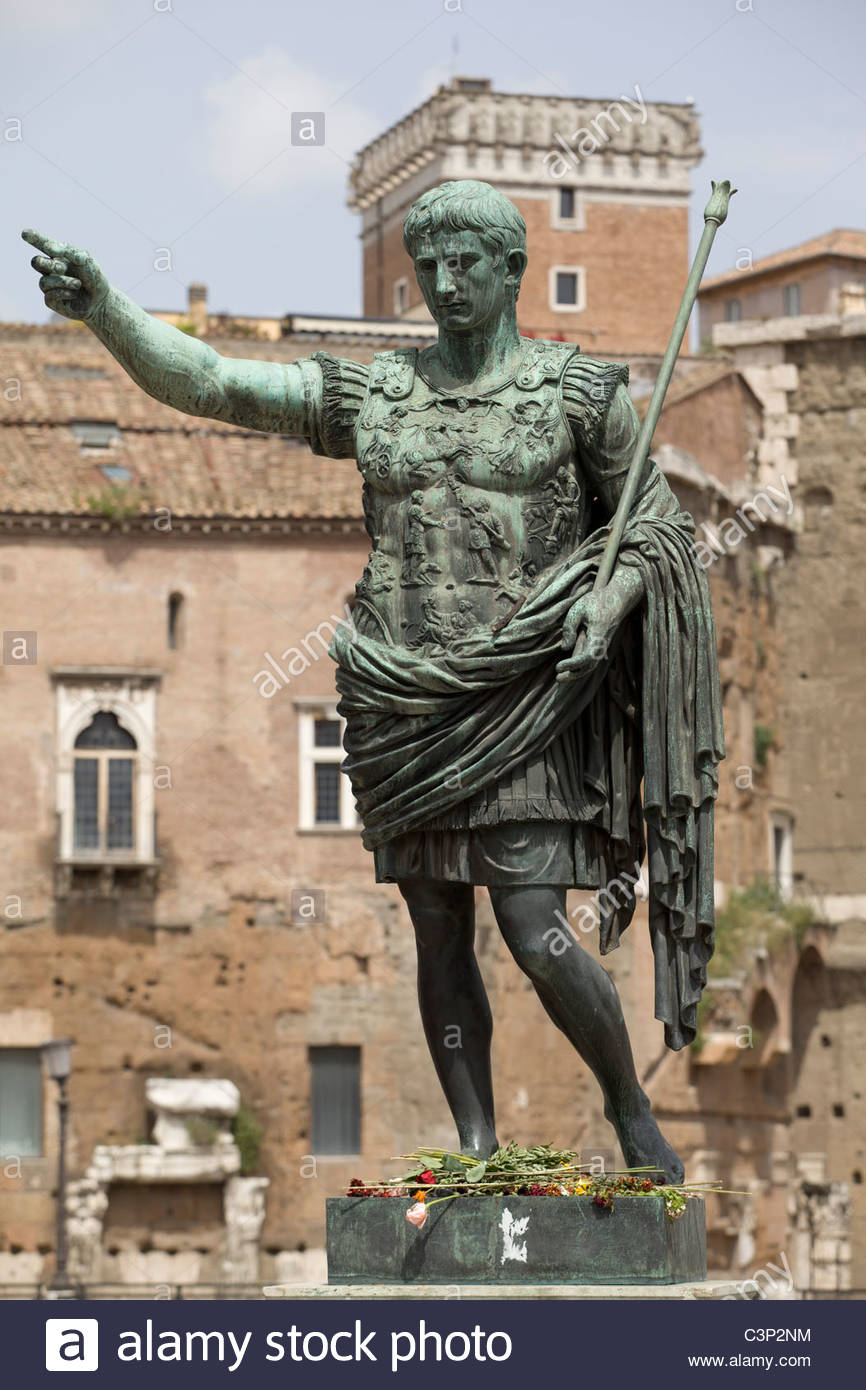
(603, 186)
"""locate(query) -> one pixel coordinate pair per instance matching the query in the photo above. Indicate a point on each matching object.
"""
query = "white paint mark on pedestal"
(511, 1228)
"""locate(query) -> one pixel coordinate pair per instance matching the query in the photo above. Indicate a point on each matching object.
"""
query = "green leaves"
(541, 1171)
(452, 1164)
(509, 1165)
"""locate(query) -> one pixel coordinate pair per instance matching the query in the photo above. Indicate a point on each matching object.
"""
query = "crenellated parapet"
(468, 130)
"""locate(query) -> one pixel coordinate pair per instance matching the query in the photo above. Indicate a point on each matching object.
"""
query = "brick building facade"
(603, 186)
(826, 275)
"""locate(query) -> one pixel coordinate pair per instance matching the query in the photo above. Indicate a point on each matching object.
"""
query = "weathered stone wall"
(822, 613)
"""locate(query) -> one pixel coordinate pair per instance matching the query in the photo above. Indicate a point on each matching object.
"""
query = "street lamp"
(55, 1054)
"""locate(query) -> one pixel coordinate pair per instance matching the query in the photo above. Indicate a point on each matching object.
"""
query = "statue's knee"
(532, 950)
(442, 914)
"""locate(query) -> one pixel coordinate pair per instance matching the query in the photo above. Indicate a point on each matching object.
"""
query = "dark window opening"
(105, 731)
(336, 1099)
(103, 786)
(566, 287)
(21, 1101)
(327, 794)
(804, 1112)
(839, 1112)
(733, 311)
(791, 300)
(326, 733)
(175, 621)
(95, 435)
(74, 370)
(566, 204)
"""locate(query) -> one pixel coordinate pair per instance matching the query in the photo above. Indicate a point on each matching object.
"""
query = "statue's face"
(464, 284)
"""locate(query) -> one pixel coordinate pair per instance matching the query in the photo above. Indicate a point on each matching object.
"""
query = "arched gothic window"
(104, 786)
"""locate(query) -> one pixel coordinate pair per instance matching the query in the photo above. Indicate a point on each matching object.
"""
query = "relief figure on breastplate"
(564, 494)
(485, 533)
(418, 567)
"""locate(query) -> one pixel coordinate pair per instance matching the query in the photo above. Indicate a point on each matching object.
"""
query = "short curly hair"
(467, 205)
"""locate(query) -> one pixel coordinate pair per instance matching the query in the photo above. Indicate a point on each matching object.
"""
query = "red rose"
(427, 1177)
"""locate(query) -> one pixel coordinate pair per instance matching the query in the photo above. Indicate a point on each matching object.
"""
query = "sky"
(157, 132)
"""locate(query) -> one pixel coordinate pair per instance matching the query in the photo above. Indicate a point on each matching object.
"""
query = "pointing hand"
(70, 279)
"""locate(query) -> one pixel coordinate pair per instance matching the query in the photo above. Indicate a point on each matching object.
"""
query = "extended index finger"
(45, 243)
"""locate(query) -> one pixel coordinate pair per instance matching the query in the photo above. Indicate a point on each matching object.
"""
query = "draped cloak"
(427, 731)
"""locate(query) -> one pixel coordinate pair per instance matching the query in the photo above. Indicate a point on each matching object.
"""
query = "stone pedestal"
(516, 1240)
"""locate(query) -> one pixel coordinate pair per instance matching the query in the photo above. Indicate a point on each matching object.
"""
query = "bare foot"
(644, 1146)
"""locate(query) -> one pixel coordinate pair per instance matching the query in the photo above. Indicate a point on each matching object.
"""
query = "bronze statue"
(506, 724)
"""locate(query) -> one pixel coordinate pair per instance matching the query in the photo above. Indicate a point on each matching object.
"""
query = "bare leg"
(454, 1009)
(582, 1000)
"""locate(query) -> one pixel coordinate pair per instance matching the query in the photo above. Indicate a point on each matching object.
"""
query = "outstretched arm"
(169, 365)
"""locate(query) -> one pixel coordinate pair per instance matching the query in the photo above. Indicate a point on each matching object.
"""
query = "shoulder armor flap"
(588, 387)
(393, 373)
(544, 361)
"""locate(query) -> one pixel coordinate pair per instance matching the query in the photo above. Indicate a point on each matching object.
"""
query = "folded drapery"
(424, 733)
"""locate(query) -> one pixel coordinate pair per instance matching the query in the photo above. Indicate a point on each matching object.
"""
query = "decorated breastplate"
(467, 498)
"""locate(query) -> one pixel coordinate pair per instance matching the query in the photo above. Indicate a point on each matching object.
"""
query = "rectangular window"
(733, 311)
(336, 1099)
(86, 803)
(119, 829)
(791, 300)
(20, 1102)
(401, 296)
(326, 733)
(566, 204)
(95, 436)
(103, 800)
(325, 792)
(566, 287)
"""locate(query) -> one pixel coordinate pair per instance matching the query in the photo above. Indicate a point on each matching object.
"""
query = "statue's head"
(468, 243)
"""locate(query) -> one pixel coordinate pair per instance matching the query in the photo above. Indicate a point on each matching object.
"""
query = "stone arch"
(764, 1022)
(809, 996)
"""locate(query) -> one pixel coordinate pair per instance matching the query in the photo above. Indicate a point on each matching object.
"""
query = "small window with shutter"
(335, 1074)
(20, 1102)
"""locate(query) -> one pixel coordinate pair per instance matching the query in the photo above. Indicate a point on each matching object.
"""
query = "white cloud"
(250, 131)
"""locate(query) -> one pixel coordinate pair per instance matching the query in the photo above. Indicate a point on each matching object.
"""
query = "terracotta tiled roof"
(844, 241)
(194, 467)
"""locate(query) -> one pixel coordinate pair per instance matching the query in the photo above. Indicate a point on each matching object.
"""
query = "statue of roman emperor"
(506, 726)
